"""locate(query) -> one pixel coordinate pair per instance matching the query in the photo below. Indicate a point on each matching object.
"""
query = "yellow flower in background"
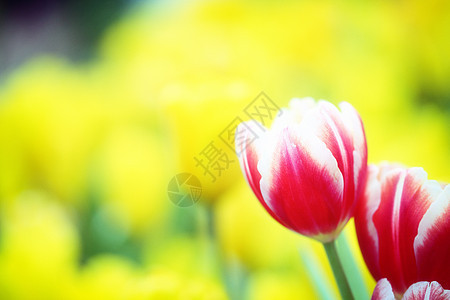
(431, 42)
(39, 260)
(189, 42)
(178, 254)
(416, 138)
(72, 132)
(47, 132)
(157, 285)
(247, 234)
(133, 160)
(197, 121)
(280, 285)
(132, 173)
(106, 277)
(110, 277)
(162, 285)
(201, 87)
(39, 249)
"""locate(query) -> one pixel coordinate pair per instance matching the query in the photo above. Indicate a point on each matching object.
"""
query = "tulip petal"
(247, 142)
(383, 291)
(365, 227)
(354, 124)
(300, 107)
(426, 291)
(405, 198)
(432, 244)
(336, 130)
(301, 182)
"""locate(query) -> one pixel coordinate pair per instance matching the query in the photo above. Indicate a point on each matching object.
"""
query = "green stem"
(338, 270)
(351, 269)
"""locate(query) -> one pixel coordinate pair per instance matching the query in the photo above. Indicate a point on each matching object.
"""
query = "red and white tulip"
(421, 290)
(309, 169)
(403, 227)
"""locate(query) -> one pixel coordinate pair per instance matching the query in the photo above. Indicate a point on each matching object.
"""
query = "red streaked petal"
(247, 149)
(404, 200)
(325, 122)
(354, 124)
(426, 291)
(383, 291)
(298, 109)
(432, 244)
(365, 227)
(301, 182)
(337, 131)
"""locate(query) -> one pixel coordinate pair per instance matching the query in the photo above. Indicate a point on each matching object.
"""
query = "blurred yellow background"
(88, 146)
